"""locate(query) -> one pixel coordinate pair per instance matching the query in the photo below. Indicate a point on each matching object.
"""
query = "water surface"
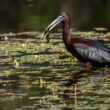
(45, 76)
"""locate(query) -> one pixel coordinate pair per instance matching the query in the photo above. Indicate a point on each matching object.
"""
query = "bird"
(90, 52)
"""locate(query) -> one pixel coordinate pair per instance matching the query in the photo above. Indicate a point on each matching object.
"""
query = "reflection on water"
(34, 15)
(46, 77)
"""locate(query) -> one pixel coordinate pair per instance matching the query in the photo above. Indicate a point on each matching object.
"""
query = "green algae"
(36, 76)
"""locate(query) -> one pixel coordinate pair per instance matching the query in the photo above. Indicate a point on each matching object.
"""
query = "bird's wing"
(93, 50)
(100, 45)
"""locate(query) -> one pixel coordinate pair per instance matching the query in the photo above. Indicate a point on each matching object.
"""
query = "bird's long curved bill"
(51, 26)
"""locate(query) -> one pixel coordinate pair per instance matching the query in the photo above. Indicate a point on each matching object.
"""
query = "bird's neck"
(66, 31)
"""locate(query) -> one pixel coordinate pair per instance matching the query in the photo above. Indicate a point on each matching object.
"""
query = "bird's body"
(92, 51)
(88, 51)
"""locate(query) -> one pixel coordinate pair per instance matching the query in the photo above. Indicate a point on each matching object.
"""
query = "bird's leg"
(105, 70)
(88, 65)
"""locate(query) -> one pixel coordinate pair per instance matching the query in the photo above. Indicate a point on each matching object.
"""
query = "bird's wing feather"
(100, 45)
(97, 52)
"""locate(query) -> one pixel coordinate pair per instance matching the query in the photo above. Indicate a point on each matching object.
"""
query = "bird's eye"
(60, 14)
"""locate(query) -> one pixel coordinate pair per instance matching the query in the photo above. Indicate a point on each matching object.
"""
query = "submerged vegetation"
(35, 75)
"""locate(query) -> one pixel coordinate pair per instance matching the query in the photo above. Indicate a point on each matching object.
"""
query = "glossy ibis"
(90, 52)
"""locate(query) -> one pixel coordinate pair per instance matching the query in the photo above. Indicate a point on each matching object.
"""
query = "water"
(35, 15)
(35, 76)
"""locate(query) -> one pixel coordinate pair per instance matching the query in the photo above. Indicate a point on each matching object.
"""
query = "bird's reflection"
(70, 95)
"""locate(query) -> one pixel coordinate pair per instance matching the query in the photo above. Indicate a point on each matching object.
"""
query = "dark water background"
(35, 15)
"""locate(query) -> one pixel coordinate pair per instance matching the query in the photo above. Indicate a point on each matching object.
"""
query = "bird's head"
(61, 17)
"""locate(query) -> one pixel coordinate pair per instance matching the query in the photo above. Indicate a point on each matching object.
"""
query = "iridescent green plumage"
(98, 53)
